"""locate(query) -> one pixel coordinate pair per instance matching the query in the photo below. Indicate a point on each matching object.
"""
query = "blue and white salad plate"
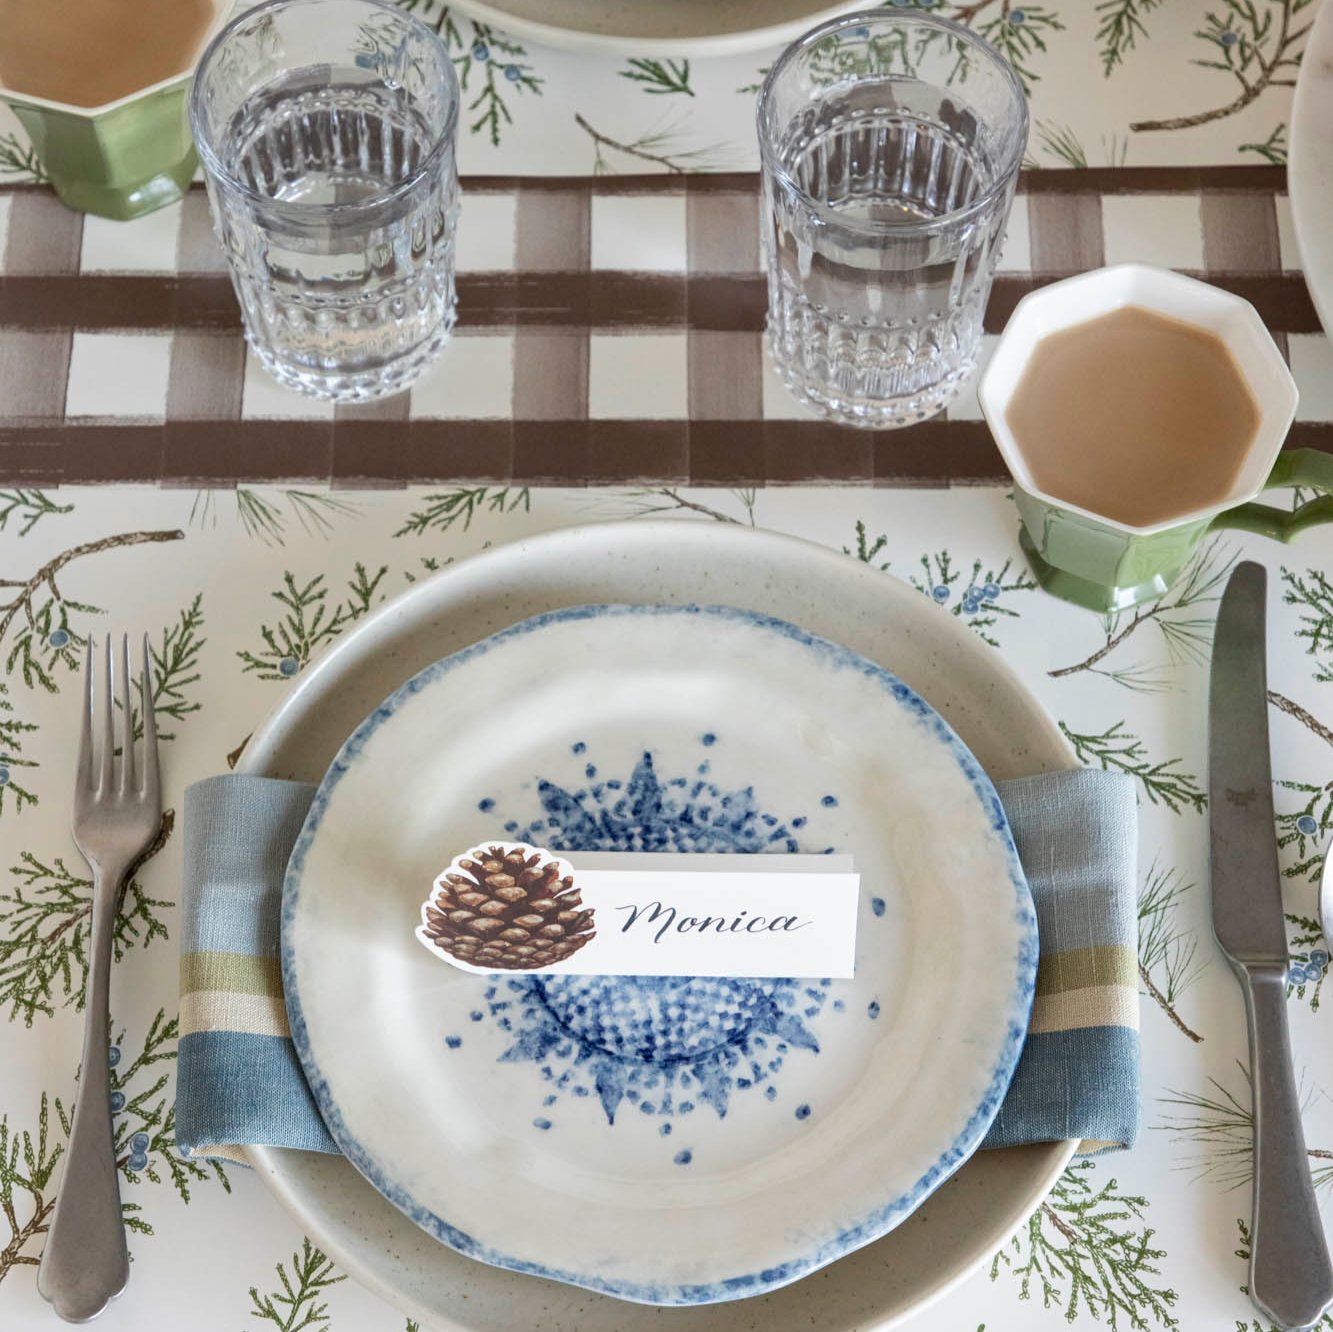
(675, 1141)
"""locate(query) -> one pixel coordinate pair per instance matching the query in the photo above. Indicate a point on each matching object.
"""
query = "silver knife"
(1291, 1276)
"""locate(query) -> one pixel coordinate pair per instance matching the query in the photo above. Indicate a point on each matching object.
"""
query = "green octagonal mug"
(1108, 565)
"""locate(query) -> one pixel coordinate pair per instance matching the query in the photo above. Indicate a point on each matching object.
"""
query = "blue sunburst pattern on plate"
(661, 1046)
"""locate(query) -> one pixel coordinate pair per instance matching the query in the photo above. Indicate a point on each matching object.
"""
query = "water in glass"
(888, 181)
(331, 169)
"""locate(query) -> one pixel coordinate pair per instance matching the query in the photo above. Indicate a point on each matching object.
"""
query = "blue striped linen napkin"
(239, 1081)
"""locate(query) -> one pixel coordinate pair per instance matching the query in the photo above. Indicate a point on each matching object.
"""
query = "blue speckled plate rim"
(872, 1227)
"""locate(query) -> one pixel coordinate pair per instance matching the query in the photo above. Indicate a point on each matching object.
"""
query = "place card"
(508, 906)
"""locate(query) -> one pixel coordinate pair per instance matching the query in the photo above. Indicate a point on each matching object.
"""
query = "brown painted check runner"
(609, 332)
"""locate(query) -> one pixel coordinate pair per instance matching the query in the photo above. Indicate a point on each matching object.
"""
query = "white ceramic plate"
(958, 1228)
(664, 1140)
(1310, 164)
(656, 27)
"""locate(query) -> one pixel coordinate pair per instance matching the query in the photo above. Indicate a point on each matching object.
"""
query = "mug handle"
(1294, 467)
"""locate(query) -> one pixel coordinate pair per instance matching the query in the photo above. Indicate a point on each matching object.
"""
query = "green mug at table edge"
(120, 160)
(1106, 565)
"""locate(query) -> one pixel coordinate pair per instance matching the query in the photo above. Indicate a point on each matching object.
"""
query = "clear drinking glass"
(890, 143)
(326, 129)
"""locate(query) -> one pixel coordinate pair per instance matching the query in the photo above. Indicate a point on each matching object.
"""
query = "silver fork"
(117, 813)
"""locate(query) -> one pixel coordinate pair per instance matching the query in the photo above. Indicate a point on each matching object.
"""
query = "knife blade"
(1291, 1276)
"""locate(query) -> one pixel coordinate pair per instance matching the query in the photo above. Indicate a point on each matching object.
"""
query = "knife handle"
(1291, 1276)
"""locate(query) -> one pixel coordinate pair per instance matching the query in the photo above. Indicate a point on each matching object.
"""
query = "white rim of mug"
(996, 417)
(213, 163)
(869, 18)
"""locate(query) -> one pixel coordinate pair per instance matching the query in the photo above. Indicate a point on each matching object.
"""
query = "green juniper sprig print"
(979, 602)
(309, 621)
(13, 734)
(44, 638)
(1256, 43)
(1017, 32)
(21, 160)
(1307, 959)
(45, 918)
(175, 671)
(448, 507)
(267, 516)
(26, 508)
(1120, 25)
(1168, 964)
(1313, 593)
(1118, 750)
(27, 1161)
(145, 1117)
(1306, 829)
(1085, 1249)
(490, 66)
(867, 551)
(660, 77)
(1243, 1251)
(1273, 149)
(297, 1302)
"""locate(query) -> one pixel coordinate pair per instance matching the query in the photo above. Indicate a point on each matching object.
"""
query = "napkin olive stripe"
(252, 1014)
(1102, 1006)
(1103, 965)
(239, 973)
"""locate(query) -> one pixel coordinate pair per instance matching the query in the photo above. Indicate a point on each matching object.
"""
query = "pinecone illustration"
(507, 908)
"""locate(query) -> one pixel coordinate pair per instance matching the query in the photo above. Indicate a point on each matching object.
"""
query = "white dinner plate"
(655, 27)
(1310, 164)
(662, 1139)
(959, 1227)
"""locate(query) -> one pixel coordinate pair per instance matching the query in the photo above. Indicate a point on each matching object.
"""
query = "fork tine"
(150, 781)
(127, 783)
(105, 759)
(84, 770)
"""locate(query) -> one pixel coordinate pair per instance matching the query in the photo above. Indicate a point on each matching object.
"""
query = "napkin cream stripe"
(239, 973)
(1100, 1006)
(253, 1014)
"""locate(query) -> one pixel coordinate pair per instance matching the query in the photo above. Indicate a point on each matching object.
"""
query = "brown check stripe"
(615, 364)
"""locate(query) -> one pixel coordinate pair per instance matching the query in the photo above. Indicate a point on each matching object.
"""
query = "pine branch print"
(1167, 962)
(295, 1304)
(45, 917)
(174, 670)
(1118, 750)
(448, 507)
(1085, 1250)
(267, 517)
(1187, 633)
(13, 734)
(309, 621)
(658, 147)
(27, 508)
(1273, 149)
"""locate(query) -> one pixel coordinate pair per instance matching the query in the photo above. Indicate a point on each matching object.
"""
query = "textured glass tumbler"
(890, 144)
(327, 129)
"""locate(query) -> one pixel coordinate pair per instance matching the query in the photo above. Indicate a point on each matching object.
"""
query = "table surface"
(274, 527)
